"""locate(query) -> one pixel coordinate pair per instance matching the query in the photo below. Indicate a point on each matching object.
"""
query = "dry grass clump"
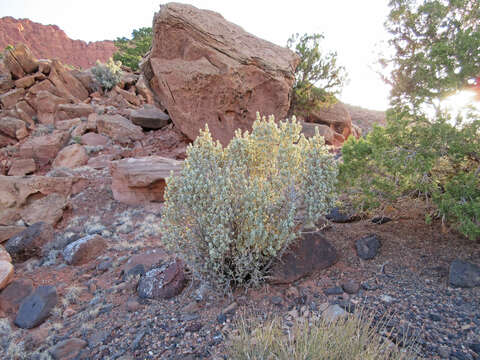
(351, 337)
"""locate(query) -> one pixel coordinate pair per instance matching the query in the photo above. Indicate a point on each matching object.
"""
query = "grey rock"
(351, 286)
(464, 274)
(337, 216)
(83, 250)
(379, 220)
(368, 246)
(336, 290)
(149, 117)
(67, 349)
(30, 242)
(164, 282)
(333, 313)
(35, 308)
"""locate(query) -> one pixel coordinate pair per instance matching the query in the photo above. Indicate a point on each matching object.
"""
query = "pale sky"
(353, 28)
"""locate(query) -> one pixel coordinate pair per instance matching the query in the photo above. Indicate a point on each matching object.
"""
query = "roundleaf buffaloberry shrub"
(108, 74)
(232, 210)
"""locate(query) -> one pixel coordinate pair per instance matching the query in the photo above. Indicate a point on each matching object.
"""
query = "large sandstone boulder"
(20, 61)
(206, 70)
(18, 193)
(141, 180)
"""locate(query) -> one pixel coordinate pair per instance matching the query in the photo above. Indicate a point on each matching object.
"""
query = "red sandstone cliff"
(49, 41)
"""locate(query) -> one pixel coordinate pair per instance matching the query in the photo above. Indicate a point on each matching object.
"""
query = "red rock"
(30, 242)
(6, 82)
(6, 232)
(119, 128)
(21, 167)
(48, 209)
(145, 261)
(130, 97)
(69, 86)
(71, 157)
(44, 66)
(208, 70)
(144, 90)
(14, 128)
(141, 180)
(25, 82)
(49, 41)
(6, 140)
(66, 125)
(20, 60)
(16, 192)
(25, 112)
(44, 148)
(149, 117)
(71, 111)
(9, 99)
(45, 85)
(94, 139)
(308, 129)
(12, 296)
(312, 252)
(84, 250)
(87, 79)
(68, 349)
(6, 273)
(163, 282)
(46, 104)
(335, 116)
(4, 255)
(101, 161)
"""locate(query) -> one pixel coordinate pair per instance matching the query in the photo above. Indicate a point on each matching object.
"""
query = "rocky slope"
(49, 41)
(84, 273)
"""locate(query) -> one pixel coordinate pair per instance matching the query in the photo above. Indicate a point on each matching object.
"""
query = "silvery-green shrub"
(108, 74)
(232, 210)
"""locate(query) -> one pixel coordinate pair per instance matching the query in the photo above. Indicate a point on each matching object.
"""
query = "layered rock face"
(49, 41)
(206, 70)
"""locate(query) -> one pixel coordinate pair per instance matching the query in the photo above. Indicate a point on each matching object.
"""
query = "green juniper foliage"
(318, 77)
(234, 209)
(436, 47)
(423, 150)
(108, 74)
(131, 51)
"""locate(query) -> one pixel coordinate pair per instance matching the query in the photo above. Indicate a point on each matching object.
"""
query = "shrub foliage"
(108, 74)
(318, 77)
(423, 150)
(234, 209)
(131, 51)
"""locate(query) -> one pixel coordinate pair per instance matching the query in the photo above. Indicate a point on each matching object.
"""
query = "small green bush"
(351, 337)
(318, 77)
(108, 74)
(234, 209)
(412, 156)
(131, 51)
